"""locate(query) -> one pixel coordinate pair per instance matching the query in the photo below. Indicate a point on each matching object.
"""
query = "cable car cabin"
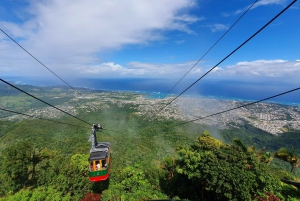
(100, 157)
(99, 162)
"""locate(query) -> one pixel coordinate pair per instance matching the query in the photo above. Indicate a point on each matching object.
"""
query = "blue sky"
(151, 39)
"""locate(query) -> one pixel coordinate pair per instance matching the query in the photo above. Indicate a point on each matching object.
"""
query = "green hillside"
(43, 160)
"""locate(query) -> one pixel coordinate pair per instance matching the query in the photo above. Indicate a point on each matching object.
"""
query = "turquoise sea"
(158, 88)
(159, 95)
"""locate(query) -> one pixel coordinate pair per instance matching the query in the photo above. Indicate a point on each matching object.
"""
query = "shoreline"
(159, 95)
(156, 95)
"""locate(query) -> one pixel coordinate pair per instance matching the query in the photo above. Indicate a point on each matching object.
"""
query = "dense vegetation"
(42, 160)
(251, 135)
(213, 170)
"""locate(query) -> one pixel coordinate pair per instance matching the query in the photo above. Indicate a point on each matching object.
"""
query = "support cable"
(44, 101)
(7, 110)
(44, 65)
(211, 48)
(241, 106)
(36, 59)
(228, 55)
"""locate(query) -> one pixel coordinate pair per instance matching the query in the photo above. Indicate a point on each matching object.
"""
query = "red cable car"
(100, 158)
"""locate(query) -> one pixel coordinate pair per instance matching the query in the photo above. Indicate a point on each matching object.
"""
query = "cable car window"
(104, 163)
(97, 165)
(91, 166)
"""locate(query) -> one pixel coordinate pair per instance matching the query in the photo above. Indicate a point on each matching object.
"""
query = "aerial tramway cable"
(44, 65)
(7, 110)
(228, 55)
(36, 59)
(211, 48)
(241, 106)
(44, 101)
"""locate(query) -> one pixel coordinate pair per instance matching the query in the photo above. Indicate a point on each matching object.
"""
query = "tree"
(14, 167)
(169, 164)
(131, 184)
(37, 156)
(41, 193)
(70, 174)
(212, 170)
(261, 155)
(264, 156)
(287, 156)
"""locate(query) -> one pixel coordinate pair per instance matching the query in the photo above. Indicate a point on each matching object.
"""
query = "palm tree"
(169, 164)
(290, 157)
(239, 143)
(265, 157)
(36, 157)
(262, 155)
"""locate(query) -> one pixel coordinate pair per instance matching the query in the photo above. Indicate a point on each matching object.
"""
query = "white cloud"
(109, 69)
(71, 33)
(174, 70)
(178, 42)
(140, 69)
(217, 69)
(188, 18)
(218, 27)
(257, 4)
(269, 2)
(286, 71)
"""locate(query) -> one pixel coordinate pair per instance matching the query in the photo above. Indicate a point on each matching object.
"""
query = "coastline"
(158, 95)
(152, 91)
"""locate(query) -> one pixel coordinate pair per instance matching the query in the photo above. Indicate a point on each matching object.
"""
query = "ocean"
(159, 88)
(229, 90)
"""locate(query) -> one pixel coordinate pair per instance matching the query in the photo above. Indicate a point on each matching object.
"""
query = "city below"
(271, 117)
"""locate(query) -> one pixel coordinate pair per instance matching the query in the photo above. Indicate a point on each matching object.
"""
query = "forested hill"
(153, 158)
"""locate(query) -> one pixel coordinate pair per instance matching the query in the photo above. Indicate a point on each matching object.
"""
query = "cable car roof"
(100, 151)
(99, 155)
(101, 146)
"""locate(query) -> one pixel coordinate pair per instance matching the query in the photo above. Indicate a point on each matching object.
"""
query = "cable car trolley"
(100, 158)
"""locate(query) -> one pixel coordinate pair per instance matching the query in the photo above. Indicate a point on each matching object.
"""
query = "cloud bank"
(257, 4)
(139, 70)
(259, 70)
(67, 35)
